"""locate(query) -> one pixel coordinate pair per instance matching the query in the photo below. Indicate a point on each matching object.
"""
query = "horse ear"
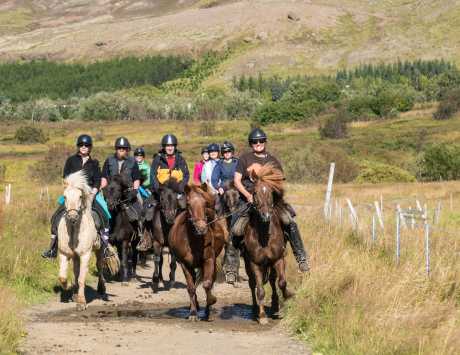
(253, 174)
(187, 189)
(204, 187)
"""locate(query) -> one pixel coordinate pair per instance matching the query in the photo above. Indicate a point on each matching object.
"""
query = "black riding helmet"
(204, 150)
(168, 139)
(139, 152)
(213, 147)
(255, 135)
(227, 147)
(84, 139)
(122, 142)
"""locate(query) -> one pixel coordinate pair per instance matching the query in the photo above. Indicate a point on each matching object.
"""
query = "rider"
(257, 141)
(81, 160)
(122, 163)
(225, 171)
(166, 164)
(144, 169)
(209, 165)
(199, 166)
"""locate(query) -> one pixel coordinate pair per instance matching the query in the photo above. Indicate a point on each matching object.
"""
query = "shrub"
(373, 172)
(334, 125)
(440, 162)
(49, 169)
(448, 106)
(103, 106)
(30, 135)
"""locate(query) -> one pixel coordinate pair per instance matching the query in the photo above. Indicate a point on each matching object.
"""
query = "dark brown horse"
(197, 239)
(159, 226)
(264, 241)
(124, 234)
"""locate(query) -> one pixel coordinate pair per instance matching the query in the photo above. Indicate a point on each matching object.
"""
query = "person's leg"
(294, 237)
(51, 252)
(103, 225)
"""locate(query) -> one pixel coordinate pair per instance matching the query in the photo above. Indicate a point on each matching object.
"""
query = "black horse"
(124, 230)
(159, 226)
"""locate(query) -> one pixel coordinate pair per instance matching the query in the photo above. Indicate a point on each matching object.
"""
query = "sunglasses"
(258, 141)
(84, 145)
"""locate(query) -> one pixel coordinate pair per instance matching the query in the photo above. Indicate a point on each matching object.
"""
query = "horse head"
(268, 187)
(115, 191)
(231, 196)
(75, 196)
(198, 201)
(168, 199)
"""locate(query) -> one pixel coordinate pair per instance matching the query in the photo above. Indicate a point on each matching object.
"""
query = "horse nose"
(266, 216)
(201, 228)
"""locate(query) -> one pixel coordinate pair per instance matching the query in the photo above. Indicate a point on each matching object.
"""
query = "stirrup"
(49, 254)
(303, 266)
(231, 277)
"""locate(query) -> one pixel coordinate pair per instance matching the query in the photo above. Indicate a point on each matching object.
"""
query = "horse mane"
(172, 184)
(79, 181)
(269, 175)
(228, 185)
(206, 195)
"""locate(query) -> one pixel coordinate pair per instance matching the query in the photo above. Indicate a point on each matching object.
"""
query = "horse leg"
(156, 270)
(280, 267)
(191, 288)
(161, 282)
(124, 262)
(134, 258)
(83, 271)
(172, 270)
(252, 283)
(76, 274)
(63, 267)
(100, 272)
(209, 267)
(275, 298)
(258, 273)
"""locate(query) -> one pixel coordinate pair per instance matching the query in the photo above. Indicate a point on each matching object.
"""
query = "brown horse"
(196, 239)
(264, 240)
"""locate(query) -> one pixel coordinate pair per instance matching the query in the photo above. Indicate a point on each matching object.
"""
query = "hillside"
(321, 35)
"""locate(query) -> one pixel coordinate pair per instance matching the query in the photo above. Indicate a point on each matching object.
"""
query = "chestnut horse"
(196, 239)
(264, 240)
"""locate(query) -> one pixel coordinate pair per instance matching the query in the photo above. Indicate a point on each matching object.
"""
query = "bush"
(334, 126)
(30, 135)
(103, 106)
(440, 162)
(372, 172)
(49, 169)
(448, 106)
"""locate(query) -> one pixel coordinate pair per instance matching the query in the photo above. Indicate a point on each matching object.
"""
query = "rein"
(225, 216)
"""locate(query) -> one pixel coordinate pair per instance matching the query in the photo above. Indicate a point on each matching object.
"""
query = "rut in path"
(135, 320)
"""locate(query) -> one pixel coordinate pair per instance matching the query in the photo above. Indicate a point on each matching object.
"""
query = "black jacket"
(129, 167)
(93, 172)
(159, 161)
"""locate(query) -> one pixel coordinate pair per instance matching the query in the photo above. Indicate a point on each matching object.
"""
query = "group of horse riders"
(217, 166)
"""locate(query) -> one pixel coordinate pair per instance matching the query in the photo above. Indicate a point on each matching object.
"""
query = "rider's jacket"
(246, 161)
(223, 171)
(144, 169)
(113, 166)
(160, 171)
(91, 167)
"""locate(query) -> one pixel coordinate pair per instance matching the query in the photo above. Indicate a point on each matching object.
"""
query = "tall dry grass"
(357, 300)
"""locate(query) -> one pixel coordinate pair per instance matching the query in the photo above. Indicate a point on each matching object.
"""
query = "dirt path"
(135, 320)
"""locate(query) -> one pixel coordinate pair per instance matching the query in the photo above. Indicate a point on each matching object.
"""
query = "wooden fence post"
(327, 200)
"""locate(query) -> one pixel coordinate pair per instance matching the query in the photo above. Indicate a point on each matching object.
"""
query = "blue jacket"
(221, 175)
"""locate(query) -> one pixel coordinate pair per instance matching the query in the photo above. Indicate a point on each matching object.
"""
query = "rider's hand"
(250, 198)
(221, 191)
(94, 191)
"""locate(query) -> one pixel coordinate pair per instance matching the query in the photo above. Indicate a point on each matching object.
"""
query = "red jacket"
(197, 172)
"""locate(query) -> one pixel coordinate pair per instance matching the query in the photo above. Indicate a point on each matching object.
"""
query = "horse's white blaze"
(264, 189)
(77, 193)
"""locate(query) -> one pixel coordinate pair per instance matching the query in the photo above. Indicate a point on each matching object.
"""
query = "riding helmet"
(122, 142)
(84, 139)
(204, 150)
(169, 139)
(139, 152)
(227, 147)
(213, 147)
(255, 135)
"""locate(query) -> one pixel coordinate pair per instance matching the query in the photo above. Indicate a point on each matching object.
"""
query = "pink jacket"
(197, 172)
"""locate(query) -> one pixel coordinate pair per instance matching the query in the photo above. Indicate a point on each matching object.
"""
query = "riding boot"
(231, 263)
(51, 253)
(297, 246)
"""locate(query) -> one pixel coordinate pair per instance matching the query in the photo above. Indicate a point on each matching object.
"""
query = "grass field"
(356, 300)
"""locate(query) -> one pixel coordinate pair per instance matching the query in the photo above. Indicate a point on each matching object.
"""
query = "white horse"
(77, 236)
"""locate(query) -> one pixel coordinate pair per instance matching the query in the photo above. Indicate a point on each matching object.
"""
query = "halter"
(79, 211)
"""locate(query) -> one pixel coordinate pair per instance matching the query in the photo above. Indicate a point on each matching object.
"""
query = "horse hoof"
(193, 318)
(211, 300)
(81, 306)
(161, 284)
(263, 321)
(125, 283)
